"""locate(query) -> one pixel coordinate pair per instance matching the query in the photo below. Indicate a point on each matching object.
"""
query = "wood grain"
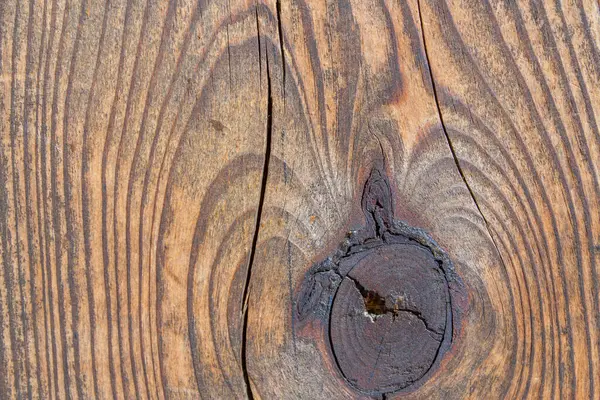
(171, 170)
(529, 151)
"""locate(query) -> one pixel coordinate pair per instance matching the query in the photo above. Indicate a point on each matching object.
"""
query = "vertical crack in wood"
(281, 50)
(229, 45)
(263, 189)
(456, 162)
(259, 49)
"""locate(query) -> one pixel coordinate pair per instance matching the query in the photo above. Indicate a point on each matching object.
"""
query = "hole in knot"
(375, 304)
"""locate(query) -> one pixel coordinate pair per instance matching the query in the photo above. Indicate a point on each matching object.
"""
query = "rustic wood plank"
(174, 175)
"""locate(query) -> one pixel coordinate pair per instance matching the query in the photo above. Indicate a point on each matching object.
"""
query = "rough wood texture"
(170, 171)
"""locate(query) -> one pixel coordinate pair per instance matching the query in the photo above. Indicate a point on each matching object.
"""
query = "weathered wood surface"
(170, 171)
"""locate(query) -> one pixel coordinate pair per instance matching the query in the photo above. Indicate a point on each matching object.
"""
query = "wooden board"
(174, 174)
